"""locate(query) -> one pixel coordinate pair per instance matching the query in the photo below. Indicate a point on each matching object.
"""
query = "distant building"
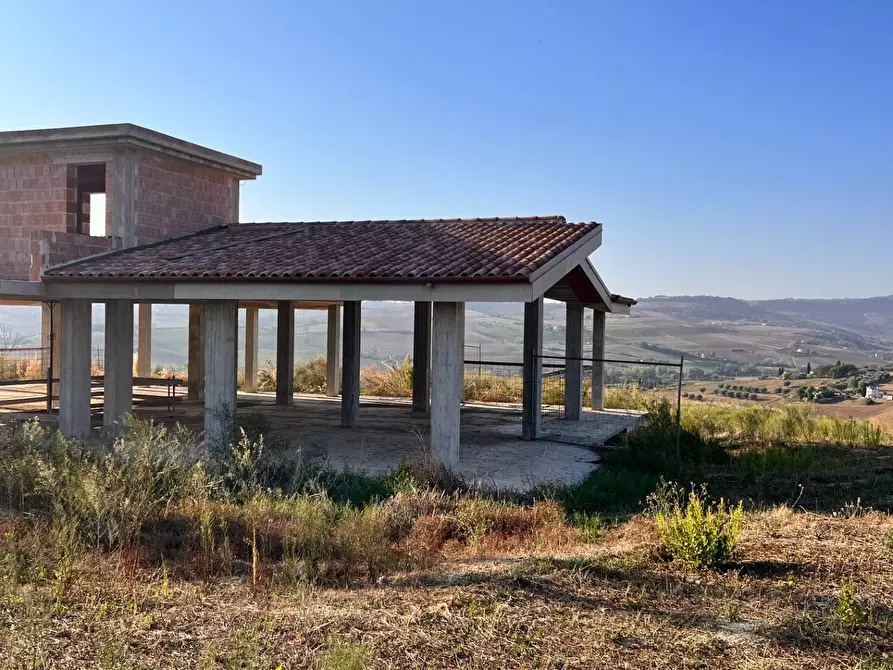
(873, 393)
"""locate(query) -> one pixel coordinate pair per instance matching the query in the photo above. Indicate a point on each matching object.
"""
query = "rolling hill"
(718, 336)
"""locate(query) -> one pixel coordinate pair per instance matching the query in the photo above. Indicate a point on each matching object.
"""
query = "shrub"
(754, 396)
(848, 613)
(392, 381)
(626, 398)
(697, 533)
(310, 377)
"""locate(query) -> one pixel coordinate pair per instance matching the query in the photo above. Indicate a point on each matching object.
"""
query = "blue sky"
(729, 148)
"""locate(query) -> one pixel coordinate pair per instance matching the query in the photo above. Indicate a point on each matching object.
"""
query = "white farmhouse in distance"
(876, 394)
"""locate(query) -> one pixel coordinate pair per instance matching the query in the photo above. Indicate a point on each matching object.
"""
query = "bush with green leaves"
(849, 613)
(693, 531)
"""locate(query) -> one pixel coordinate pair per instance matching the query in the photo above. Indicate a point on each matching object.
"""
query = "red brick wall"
(38, 205)
(49, 247)
(34, 196)
(176, 198)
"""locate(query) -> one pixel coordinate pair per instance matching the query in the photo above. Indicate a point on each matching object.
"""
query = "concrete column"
(74, 372)
(195, 366)
(118, 386)
(285, 353)
(598, 352)
(144, 341)
(446, 359)
(251, 348)
(532, 385)
(121, 201)
(573, 348)
(45, 338)
(421, 356)
(461, 370)
(221, 345)
(350, 366)
(333, 350)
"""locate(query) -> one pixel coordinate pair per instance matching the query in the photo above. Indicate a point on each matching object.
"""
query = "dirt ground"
(612, 603)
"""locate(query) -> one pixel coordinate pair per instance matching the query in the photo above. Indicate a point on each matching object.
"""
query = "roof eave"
(124, 134)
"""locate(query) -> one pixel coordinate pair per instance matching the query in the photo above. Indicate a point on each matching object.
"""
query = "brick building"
(155, 187)
(56, 249)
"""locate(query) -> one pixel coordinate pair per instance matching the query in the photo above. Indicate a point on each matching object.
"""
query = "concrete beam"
(350, 366)
(421, 356)
(598, 366)
(118, 389)
(573, 349)
(285, 353)
(532, 383)
(333, 350)
(251, 348)
(197, 291)
(144, 341)
(195, 366)
(221, 343)
(74, 373)
(445, 364)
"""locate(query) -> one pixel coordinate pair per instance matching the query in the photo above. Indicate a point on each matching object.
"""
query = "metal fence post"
(50, 368)
(679, 411)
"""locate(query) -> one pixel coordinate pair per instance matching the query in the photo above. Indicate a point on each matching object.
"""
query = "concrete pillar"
(118, 386)
(461, 370)
(350, 366)
(55, 344)
(532, 383)
(573, 349)
(144, 341)
(598, 353)
(421, 356)
(221, 355)
(333, 350)
(195, 366)
(446, 359)
(251, 348)
(285, 353)
(74, 372)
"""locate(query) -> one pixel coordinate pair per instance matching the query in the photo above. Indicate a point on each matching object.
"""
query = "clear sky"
(729, 148)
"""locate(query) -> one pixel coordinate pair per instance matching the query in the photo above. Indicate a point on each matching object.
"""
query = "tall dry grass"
(795, 423)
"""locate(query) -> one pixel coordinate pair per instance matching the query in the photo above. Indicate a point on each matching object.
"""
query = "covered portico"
(440, 265)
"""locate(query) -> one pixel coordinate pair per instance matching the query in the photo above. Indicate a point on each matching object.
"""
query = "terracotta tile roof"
(623, 300)
(430, 250)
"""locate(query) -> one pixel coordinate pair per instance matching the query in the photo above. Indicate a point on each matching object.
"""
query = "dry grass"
(611, 604)
(145, 557)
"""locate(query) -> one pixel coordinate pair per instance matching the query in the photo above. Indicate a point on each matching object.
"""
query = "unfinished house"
(171, 235)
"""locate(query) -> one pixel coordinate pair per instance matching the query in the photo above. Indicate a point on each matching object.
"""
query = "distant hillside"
(718, 336)
(863, 315)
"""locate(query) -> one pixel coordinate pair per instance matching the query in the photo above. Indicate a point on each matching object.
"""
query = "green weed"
(697, 533)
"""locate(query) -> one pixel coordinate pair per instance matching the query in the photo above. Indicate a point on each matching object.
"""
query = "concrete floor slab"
(492, 453)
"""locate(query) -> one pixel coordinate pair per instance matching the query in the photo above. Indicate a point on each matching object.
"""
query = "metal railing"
(658, 377)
